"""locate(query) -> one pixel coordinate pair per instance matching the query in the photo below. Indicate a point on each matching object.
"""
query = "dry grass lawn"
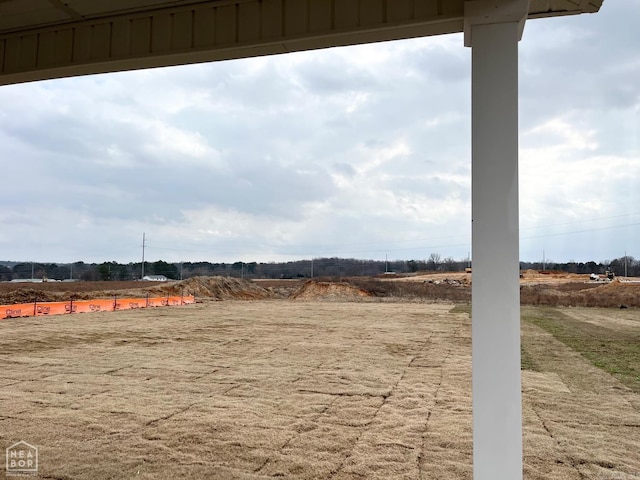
(303, 390)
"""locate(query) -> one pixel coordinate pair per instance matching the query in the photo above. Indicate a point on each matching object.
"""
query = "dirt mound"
(217, 288)
(622, 293)
(614, 294)
(529, 273)
(551, 276)
(28, 295)
(314, 290)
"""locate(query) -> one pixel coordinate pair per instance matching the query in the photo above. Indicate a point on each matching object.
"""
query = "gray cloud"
(356, 151)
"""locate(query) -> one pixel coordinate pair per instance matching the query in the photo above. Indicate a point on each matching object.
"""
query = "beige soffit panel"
(41, 39)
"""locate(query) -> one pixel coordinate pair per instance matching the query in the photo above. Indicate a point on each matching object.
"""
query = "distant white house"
(154, 278)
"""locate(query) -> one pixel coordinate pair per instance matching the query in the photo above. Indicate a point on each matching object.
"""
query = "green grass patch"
(527, 362)
(461, 308)
(613, 350)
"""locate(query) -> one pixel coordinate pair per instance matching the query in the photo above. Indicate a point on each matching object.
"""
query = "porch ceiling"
(42, 39)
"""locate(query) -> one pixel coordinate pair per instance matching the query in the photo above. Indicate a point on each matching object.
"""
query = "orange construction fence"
(37, 309)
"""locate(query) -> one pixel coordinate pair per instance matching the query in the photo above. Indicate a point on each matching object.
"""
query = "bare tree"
(450, 264)
(434, 261)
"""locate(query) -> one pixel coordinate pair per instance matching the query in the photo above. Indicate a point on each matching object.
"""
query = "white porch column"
(497, 408)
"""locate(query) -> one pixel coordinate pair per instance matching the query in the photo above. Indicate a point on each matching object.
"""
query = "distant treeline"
(319, 267)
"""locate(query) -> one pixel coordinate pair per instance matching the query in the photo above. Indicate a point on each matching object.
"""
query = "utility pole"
(312, 267)
(143, 245)
(625, 263)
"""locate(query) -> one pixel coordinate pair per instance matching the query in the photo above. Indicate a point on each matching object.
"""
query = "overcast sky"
(352, 152)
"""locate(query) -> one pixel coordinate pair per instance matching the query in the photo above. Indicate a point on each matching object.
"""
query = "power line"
(580, 231)
(579, 221)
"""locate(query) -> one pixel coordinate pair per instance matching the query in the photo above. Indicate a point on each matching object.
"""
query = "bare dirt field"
(537, 288)
(297, 389)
